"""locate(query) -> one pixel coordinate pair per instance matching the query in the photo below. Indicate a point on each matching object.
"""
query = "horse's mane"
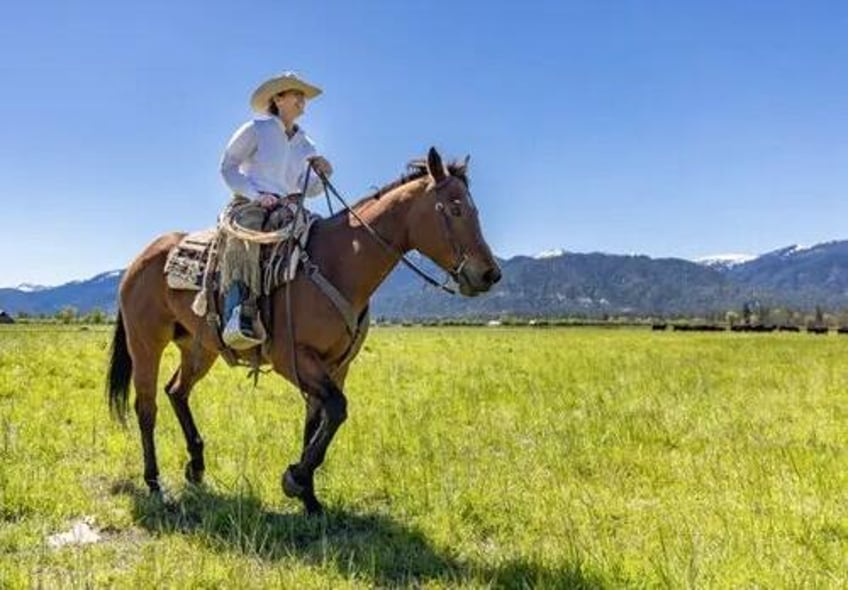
(415, 169)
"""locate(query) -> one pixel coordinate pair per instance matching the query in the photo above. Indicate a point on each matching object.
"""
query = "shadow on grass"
(371, 546)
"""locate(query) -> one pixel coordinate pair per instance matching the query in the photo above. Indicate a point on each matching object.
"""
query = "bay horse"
(429, 210)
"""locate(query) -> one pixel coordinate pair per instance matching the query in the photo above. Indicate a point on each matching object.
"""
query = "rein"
(329, 188)
(289, 311)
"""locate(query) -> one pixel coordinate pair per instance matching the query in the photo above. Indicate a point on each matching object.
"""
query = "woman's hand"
(321, 165)
(268, 200)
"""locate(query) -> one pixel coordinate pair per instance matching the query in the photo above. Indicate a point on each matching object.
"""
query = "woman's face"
(290, 104)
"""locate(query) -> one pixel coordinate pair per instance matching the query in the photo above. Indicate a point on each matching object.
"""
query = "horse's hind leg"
(193, 366)
(146, 355)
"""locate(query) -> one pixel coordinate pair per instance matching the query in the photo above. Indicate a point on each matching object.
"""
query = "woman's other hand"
(268, 200)
(321, 165)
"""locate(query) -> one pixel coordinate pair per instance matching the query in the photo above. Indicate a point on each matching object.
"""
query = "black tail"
(120, 372)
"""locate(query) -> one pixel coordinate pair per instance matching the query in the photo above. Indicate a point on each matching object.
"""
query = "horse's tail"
(120, 372)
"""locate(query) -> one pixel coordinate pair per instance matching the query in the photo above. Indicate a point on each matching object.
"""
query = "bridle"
(460, 256)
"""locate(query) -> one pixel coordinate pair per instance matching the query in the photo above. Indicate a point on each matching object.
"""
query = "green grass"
(471, 458)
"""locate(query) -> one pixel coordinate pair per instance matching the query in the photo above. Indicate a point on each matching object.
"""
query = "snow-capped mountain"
(554, 253)
(30, 288)
(819, 271)
(100, 291)
(723, 261)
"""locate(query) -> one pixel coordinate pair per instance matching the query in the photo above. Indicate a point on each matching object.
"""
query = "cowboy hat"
(261, 98)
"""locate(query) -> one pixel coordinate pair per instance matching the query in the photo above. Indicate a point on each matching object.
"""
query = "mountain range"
(558, 283)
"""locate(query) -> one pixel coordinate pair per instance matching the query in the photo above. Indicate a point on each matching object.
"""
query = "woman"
(266, 162)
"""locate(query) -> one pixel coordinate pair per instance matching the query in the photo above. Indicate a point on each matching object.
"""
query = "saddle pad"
(186, 261)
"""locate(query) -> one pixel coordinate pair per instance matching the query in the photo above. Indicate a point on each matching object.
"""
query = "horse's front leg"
(326, 411)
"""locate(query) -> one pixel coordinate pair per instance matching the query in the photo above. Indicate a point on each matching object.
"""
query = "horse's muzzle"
(473, 282)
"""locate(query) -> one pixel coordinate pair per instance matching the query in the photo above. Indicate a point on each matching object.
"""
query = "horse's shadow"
(373, 546)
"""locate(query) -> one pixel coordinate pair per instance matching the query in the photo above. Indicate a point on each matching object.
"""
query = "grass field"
(471, 458)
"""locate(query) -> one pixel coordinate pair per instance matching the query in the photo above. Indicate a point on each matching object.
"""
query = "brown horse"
(429, 210)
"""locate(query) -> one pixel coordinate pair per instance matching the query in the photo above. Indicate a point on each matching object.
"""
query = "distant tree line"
(751, 314)
(67, 315)
(754, 315)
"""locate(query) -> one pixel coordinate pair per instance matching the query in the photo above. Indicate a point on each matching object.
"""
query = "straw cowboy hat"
(261, 98)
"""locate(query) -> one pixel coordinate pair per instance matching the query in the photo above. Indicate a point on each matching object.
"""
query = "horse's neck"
(354, 260)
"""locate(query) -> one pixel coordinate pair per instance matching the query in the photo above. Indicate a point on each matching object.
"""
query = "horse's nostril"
(492, 276)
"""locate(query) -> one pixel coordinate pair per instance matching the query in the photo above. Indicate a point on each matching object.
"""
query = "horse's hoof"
(159, 498)
(192, 475)
(313, 507)
(294, 489)
(154, 486)
(291, 487)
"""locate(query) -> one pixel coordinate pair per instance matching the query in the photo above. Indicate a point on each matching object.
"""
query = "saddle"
(188, 264)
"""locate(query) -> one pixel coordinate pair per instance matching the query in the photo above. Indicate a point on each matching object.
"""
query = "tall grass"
(471, 458)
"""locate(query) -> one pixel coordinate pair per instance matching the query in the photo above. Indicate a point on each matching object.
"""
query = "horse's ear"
(435, 166)
(463, 168)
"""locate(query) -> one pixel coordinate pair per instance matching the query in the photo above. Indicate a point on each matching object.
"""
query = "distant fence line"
(756, 328)
(35, 326)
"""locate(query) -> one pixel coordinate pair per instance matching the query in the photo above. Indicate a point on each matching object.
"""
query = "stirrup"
(233, 335)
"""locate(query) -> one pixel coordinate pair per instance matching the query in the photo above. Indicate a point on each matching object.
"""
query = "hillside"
(562, 283)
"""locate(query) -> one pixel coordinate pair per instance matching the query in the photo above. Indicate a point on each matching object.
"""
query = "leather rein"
(460, 256)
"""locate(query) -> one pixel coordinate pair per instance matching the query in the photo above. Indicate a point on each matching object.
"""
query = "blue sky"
(665, 128)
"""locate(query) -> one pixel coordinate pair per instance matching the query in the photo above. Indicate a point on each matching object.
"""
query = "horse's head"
(445, 227)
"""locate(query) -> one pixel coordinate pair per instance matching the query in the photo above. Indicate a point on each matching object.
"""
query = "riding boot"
(240, 312)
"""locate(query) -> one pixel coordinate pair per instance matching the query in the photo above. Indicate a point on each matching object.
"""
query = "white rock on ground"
(81, 533)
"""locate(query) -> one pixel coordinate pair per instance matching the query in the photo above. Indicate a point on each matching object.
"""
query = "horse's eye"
(455, 209)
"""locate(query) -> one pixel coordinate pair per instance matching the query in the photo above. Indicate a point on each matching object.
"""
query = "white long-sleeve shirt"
(260, 157)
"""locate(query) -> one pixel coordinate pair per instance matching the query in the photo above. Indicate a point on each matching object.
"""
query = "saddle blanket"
(186, 262)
